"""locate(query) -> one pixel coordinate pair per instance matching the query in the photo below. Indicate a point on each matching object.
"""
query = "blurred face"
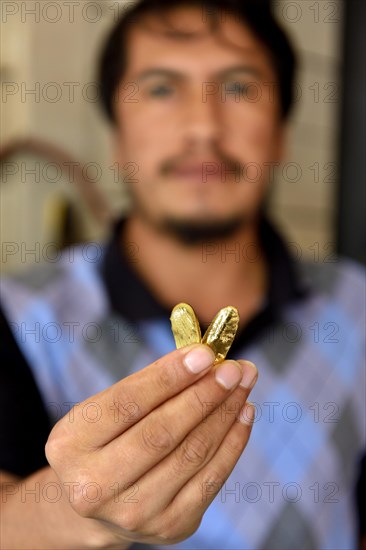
(200, 118)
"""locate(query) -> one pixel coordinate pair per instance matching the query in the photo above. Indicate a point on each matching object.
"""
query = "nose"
(201, 121)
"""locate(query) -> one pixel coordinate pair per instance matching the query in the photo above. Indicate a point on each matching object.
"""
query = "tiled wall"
(303, 198)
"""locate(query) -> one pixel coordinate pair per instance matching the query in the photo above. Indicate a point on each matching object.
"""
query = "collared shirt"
(286, 283)
(75, 328)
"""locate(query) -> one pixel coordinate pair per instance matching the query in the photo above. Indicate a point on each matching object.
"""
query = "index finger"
(126, 402)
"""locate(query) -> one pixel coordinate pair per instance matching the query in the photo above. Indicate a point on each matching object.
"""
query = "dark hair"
(254, 13)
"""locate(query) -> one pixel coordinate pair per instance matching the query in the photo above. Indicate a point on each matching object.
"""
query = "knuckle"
(156, 437)
(187, 529)
(213, 479)
(57, 445)
(86, 496)
(194, 451)
(81, 507)
(178, 528)
(234, 445)
(123, 408)
(167, 378)
(168, 535)
(194, 401)
(52, 450)
(169, 528)
(129, 520)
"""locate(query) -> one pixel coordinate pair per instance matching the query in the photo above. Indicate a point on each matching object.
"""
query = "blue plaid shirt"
(87, 321)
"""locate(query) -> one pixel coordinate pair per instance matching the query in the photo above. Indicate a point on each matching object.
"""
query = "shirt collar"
(130, 297)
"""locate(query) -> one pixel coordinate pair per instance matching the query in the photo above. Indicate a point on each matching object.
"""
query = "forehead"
(182, 38)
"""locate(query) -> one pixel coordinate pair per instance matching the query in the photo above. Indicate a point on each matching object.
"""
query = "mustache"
(220, 159)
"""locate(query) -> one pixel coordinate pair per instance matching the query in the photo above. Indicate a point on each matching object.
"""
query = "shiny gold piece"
(185, 326)
(219, 335)
(221, 332)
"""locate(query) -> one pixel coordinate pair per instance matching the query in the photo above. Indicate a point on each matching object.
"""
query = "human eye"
(236, 87)
(161, 91)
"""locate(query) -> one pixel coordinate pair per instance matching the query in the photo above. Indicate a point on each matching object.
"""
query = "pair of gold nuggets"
(219, 335)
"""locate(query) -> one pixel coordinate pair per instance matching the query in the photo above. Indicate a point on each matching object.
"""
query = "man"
(144, 438)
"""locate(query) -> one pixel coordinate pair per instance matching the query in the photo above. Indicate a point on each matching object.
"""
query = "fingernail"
(250, 374)
(199, 359)
(228, 374)
(247, 414)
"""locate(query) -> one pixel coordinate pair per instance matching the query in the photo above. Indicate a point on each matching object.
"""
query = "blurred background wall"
(47, 69)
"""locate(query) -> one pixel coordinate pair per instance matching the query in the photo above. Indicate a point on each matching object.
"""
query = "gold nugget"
(221, 332)
(185, 326)
(219, 335)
